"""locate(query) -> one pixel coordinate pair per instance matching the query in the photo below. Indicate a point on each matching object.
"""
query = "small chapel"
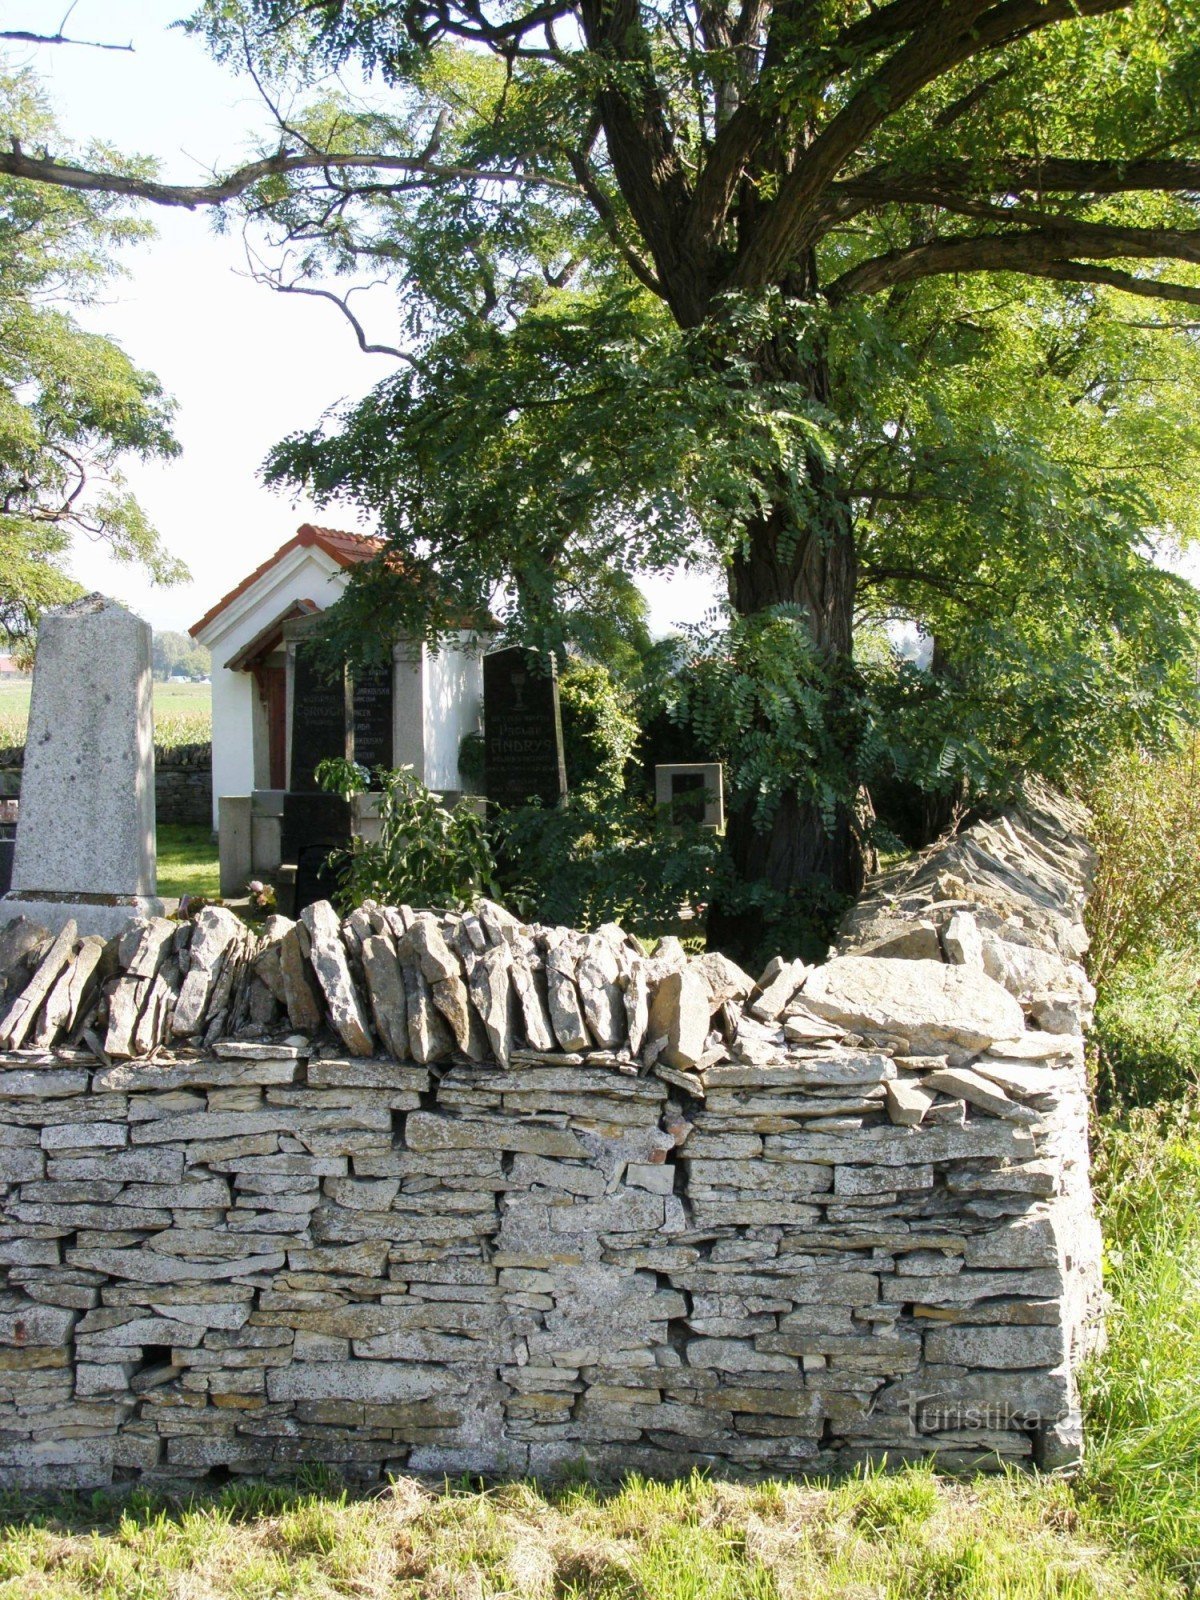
(275, 716)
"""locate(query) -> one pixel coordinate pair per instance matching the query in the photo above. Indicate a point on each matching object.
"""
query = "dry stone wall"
(445, 1193)
(183, 784)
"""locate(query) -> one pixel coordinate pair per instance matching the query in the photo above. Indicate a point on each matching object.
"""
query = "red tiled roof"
(347, 549)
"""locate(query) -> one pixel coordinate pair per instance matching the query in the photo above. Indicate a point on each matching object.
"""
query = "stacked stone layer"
(445, 1193)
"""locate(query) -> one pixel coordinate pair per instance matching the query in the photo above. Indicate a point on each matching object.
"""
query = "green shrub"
(1141, 1473)
(426, 855)
(605, 858)
(1146, 827)
(599, 728)
(1147, 1030)
(1143, 916)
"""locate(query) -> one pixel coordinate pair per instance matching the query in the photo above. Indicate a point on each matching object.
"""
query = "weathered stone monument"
(85, 847)
(522, 728)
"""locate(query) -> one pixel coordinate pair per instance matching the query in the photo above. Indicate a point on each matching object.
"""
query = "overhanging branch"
(604, 209)
(16, 163)
(1046, 252)
(23, 36)
(1049, 175)
(957, 33)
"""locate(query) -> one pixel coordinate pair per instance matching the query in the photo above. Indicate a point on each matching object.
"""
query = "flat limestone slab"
(931, 1005)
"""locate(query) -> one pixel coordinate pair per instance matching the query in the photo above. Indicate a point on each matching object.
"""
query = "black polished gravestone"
(8, 842)
(522, 728)
(313, 826)
(318, 721)
(314, 821)
(372, 719)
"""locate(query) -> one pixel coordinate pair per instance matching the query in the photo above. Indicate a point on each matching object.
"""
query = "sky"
(245, 365)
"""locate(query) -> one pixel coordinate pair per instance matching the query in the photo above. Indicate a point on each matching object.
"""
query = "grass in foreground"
(1129, 1526)
(1142, 1473)
(187, 860)
(905, 1537)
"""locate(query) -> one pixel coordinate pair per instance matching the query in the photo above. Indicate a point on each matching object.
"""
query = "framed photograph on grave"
(691, 792)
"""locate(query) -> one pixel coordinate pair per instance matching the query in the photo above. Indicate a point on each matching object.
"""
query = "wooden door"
(274, 693)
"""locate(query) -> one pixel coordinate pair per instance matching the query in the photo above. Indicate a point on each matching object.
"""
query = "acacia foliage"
(1019, 458)
(839, 288)
(1010, 419)
(72, 403)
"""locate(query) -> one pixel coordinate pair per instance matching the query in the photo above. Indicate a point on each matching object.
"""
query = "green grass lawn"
(182, 712)
(1128, 1526)
(187, 860)
(904, 1537)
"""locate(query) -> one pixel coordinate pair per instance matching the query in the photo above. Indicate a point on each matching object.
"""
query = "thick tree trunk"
(802, 861)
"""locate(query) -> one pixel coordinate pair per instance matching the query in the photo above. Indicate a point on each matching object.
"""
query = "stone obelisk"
(85, 832)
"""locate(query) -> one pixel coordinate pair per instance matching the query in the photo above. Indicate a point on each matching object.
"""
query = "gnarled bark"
(797, 854)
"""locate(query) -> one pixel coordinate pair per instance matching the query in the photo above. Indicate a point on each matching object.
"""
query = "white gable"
(438, 694)
(305, 573)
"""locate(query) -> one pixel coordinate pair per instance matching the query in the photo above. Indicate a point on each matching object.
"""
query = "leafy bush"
(1146, 897)
(1147, 1030)
(600, 858)
(426, 855)
(599, 728)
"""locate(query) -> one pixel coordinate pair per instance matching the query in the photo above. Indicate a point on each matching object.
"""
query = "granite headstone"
(313, 826)
(319, 719)
(522, 728)
(372, 718)
(85, 846)
(315, 822)
(8, 841)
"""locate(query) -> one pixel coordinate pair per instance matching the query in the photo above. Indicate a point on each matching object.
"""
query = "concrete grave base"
(106, 914)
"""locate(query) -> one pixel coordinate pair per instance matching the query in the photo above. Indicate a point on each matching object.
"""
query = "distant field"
(182, 712)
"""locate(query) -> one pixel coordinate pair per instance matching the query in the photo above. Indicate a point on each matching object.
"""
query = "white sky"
(245, 365)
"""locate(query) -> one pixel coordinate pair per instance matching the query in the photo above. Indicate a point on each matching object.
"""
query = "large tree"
(72, 404)
(693, 280)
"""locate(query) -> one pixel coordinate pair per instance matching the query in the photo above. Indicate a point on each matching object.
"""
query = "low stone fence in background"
(183, 790)
(446, 1194)
(182, 781)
